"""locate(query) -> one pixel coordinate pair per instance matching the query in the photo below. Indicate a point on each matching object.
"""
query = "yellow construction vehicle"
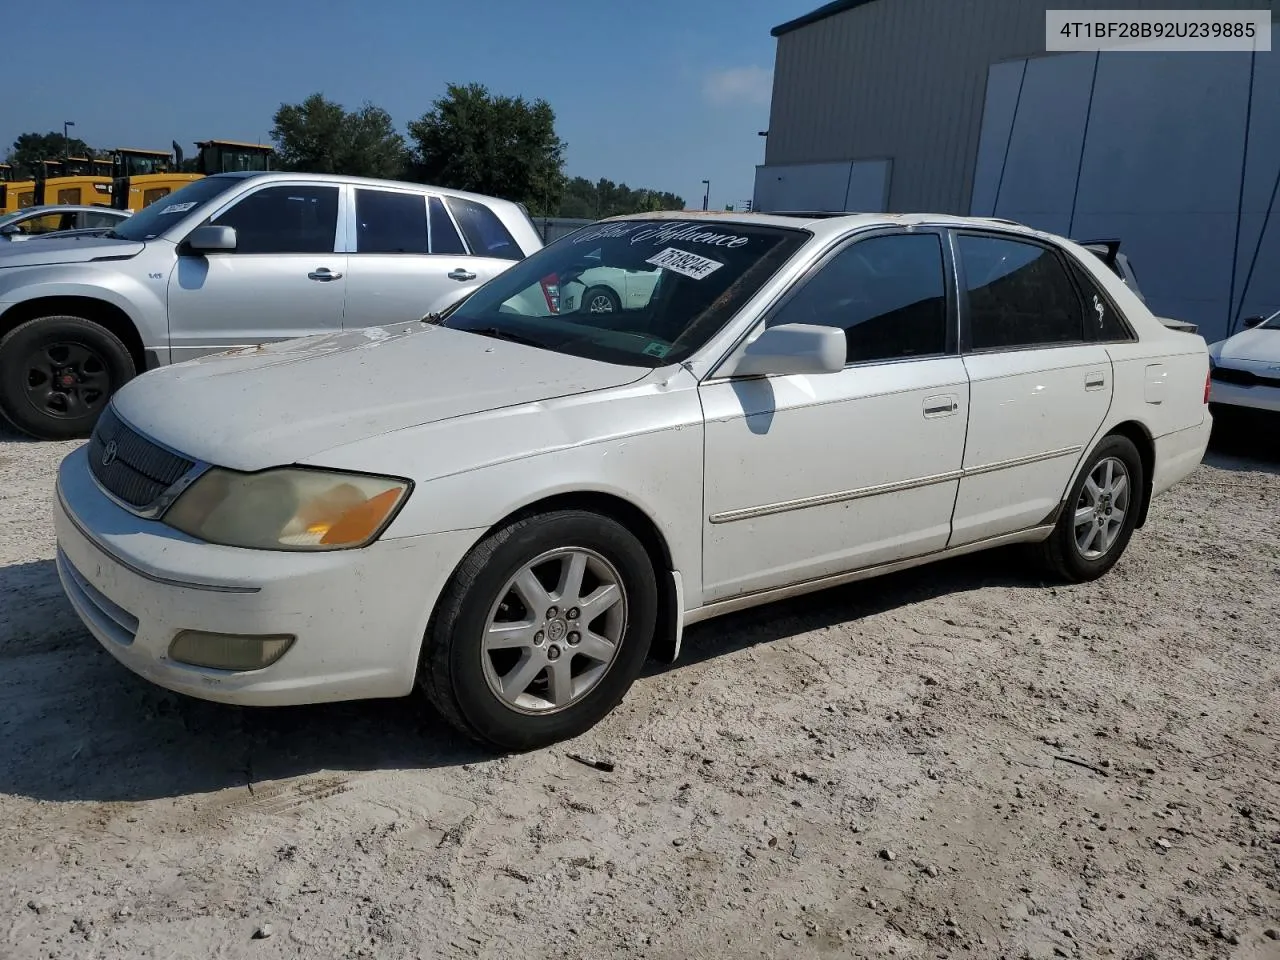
(15, 194)
(72, 180)
(232, 156)
(144, 176)
(141, 177)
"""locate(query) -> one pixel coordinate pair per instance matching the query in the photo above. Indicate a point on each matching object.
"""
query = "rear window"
(485, 233)
(444, 235)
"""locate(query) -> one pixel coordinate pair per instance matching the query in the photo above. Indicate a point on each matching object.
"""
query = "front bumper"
(1256, 397)
(359, 615)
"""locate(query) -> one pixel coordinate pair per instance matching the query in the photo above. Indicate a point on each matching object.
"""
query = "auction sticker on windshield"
(684, 263)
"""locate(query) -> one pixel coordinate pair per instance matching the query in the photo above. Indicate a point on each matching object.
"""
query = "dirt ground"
(957, 761)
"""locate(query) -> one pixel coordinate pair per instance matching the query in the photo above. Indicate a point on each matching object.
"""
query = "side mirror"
(9, 230)
(211, 239)
(791, 348)
(1250, 322)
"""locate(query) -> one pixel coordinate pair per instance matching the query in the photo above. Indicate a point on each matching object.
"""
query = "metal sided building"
(953, 106)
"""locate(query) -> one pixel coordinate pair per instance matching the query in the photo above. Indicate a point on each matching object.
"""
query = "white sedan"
(1246, 367)
(512, 509)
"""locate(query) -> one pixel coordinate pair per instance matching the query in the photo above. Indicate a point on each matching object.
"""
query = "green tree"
(30, 148)
(320, 136)
(604, 198)
(506, 147)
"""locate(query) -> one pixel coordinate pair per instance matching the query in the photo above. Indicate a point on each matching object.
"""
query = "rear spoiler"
(1110, 250)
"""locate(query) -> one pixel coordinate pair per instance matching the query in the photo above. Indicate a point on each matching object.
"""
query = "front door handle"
(941, 406)
(323, 274)
(461, 274)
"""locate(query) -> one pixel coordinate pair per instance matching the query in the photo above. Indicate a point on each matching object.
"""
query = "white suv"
(229, 261)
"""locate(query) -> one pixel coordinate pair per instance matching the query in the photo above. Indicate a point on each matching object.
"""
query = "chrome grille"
(128, 465)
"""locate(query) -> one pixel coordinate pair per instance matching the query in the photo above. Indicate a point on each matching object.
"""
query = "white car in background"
(601, 289)
(1245, 368)
(511, 508)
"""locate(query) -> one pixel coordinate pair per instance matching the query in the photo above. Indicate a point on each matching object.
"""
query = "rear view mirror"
(791, 348)
(212, 239)
(1250, 322)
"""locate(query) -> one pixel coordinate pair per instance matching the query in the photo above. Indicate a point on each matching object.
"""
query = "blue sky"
(661, 95)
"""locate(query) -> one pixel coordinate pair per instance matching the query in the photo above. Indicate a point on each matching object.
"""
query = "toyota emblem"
(109, 453)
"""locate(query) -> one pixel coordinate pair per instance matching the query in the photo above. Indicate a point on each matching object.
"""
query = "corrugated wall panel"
(906, 79)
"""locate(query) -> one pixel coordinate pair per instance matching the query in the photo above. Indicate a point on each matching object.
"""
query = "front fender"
(142, 301)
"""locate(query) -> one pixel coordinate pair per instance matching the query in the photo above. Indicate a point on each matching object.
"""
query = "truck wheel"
(57, 374)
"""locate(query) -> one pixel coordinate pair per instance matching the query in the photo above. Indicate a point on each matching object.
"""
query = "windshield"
(637, 292)
(10, 217)
(154, 219)
(1271, 323)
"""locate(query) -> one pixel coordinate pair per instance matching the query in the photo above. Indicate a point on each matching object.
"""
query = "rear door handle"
(323, 274)
(942, 406)
(1095, 380)
(461, 274)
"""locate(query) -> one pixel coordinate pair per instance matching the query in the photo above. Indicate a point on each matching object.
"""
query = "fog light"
(229, 651)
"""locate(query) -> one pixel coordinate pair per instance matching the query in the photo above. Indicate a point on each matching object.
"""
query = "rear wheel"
(542, 630)
(1100, 513)
(600, 300)
(57, 374)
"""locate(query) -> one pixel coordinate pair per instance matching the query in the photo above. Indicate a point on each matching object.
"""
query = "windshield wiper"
(497, 333)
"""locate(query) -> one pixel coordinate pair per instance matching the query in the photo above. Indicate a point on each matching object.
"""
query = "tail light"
(1208, 378)
(551, 290)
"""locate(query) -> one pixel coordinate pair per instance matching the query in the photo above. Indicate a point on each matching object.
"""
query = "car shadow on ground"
(1245, 444)
(77, 726)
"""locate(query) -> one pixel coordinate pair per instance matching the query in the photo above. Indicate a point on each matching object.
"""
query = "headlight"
(288, 508)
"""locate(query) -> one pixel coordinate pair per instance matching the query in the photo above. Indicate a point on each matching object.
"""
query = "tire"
(599, 300)
(57, 374)
(1062, 553)
(465, 678)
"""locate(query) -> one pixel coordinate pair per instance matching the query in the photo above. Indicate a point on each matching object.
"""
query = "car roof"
(69, 208)
(834, 224)
(269, 175)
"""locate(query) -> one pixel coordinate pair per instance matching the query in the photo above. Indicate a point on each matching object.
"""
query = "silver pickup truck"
(229, 261)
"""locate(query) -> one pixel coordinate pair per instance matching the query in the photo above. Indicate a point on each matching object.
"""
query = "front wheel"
(57, 374)
(1099, 514)
(542, 630)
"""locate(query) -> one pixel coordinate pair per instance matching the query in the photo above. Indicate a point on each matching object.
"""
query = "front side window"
(888, 294)
(284, 219)
(484, 231)
(691, 278)
(45, 223)
(1019, 295)
(389, 222)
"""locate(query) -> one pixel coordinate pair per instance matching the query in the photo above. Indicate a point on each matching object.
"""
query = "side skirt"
(748, 600)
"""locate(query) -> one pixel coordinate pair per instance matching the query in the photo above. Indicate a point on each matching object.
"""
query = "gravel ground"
(954, 761)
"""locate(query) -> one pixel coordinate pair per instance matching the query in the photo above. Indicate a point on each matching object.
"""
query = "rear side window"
(1102, 321)
(484, 231)
(444, 235)
(389, 222)
(1019, 295)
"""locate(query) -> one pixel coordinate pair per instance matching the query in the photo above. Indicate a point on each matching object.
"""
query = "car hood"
(47, 251)
(281, 403)
(1262, 346)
